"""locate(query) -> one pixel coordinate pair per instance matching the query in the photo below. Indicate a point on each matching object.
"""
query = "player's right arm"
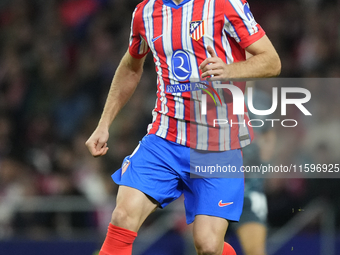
(123, 85)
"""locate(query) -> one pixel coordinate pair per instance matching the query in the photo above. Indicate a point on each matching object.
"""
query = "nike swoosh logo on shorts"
(220, 204)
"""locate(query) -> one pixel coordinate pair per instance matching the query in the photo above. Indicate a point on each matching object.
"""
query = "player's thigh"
(132, 208)
(252, 236)
(209, 232)
(151, 170)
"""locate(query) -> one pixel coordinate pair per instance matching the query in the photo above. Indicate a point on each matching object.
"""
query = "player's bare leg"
(252, 237)
(132, 208)
(209, 234)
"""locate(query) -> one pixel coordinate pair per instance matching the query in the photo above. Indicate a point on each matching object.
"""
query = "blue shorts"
(161, 169)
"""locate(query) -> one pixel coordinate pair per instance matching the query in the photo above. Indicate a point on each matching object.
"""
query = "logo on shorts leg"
(220, 204)
(125, 166)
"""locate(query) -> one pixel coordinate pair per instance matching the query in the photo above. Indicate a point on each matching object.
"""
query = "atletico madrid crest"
(196, 29)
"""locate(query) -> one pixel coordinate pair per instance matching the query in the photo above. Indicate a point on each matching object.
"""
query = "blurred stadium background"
(57, 59)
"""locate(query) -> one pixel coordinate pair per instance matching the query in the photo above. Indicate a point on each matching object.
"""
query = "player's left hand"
(213, 68)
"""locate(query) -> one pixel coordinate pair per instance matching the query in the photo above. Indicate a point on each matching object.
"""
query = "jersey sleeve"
(138, 47)
(240, 24)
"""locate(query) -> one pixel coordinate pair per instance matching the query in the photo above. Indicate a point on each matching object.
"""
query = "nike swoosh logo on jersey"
(220, 204)
(156, 38)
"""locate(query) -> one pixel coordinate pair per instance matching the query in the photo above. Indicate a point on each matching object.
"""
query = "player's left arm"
(265, 62)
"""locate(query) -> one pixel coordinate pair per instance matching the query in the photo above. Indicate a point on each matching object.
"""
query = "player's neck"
(177, 1)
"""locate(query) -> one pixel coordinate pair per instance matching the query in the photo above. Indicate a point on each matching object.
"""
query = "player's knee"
(122, 218)
(209, 246)
(119, 215)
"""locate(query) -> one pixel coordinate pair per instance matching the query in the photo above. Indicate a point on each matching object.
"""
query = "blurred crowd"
(57, 59)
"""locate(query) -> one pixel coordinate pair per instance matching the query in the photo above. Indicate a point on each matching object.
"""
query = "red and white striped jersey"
(178, 36)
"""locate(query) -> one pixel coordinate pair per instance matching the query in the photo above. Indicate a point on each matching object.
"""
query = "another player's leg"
(209, 232)
(251, 228)
(252, 237)
(132, 208)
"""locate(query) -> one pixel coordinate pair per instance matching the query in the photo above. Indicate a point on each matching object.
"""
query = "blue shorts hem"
(116, 177)
(190, 220)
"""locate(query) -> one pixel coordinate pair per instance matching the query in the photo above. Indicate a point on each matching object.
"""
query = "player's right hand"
(97, 143)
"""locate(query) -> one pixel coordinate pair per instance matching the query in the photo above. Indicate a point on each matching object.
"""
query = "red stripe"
(192, 136)
(172, 130)
(250, 129)
(213, 133)
(188, 134)
(234, 142)
(237, 51)
(137, 27)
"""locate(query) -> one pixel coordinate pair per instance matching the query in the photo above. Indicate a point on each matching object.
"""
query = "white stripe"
(245, 131)
(227, 48)
(181, 132)
(167, 46)
(131, 27)
(230, 29)
(143, 47)
(208, 23)
(223, 112)
(163, 130)
(202, 131)
(148, 21)
(154, 117)
(179, 116)
(242, 130)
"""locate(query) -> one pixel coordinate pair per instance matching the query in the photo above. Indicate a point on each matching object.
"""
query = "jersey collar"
(171, 4)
